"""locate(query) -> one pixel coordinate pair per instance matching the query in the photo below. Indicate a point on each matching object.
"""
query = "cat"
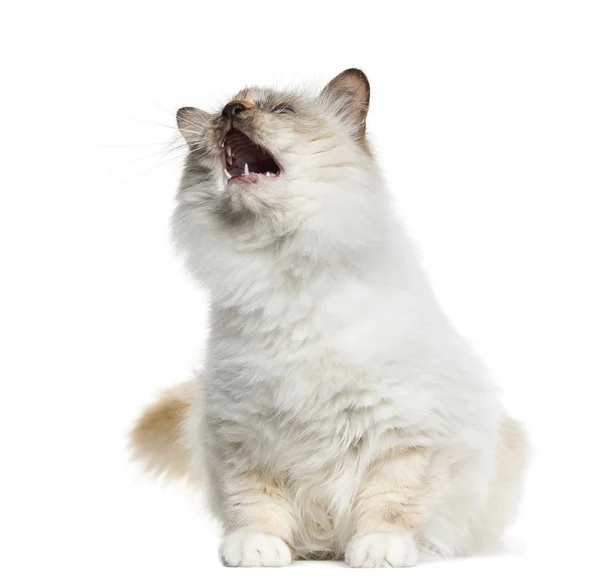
(338, 414)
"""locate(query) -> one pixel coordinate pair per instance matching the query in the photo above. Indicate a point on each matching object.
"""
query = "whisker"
(152, 122)
(137, 145)
(154, 168)
(161, 153)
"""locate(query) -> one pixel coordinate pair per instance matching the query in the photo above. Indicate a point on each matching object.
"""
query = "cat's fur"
(339, 414)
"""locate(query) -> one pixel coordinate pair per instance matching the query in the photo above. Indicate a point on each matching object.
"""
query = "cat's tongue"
(250, 178)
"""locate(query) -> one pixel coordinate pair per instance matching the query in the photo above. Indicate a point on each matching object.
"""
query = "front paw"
(254, 549)
(382, 549)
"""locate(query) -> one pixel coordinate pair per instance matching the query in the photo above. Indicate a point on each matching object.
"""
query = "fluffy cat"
(338, 414)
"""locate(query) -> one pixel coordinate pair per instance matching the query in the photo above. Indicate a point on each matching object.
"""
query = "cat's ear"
(349, 92)
(191, 122)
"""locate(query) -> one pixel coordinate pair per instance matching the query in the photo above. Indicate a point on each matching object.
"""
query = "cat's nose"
(232, 109)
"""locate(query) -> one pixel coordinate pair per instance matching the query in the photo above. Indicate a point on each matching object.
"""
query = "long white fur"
(335, 388)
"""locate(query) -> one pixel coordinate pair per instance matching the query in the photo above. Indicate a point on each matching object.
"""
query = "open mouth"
(246, 161)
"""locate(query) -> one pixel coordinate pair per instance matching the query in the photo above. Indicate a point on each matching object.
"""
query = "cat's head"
(270, 164)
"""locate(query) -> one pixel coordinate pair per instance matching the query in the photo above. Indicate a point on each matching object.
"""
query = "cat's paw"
(382, 549)
(254, 549)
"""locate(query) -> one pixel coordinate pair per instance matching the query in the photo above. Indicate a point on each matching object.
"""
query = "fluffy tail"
(159, 439)
(513, 458)
(511, 466)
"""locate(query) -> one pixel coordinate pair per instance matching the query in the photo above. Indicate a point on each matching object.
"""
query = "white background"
(486, 119)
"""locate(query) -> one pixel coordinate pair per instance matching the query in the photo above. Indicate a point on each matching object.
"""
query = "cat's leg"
(258, 520)
(395, 497)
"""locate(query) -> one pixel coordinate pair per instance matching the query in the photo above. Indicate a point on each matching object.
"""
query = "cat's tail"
(161, 438)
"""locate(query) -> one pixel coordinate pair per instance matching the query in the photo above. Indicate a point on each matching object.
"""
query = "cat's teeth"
(246, 170)
(228, 151)
(227, 174)
(229, 160)
(268, 174)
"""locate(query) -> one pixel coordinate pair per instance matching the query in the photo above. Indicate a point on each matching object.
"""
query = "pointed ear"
(191, 123)
(350, 93)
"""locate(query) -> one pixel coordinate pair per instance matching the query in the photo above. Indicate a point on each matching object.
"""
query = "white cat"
(339, 414)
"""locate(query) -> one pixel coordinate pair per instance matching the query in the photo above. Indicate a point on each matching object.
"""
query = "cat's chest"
(317, 355)
(312, 436)
(341, 330)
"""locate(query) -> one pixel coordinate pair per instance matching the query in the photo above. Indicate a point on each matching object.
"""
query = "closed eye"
(283, 110)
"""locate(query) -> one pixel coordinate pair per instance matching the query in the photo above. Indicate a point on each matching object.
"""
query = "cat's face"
(275, 162)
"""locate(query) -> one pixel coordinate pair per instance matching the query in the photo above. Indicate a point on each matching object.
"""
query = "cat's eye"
(283, 110)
